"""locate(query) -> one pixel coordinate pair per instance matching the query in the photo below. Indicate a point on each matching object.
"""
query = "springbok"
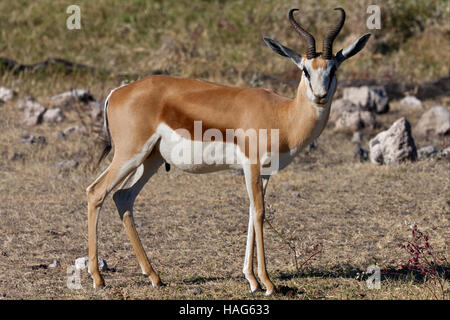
(142, 119)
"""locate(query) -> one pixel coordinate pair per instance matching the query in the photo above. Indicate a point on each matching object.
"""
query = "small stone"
(14, 156)
(75, 130)
(348, 116)
(338, 106)
(96, 111)
(60, 135)
(426, 152)
(66, 100)
(357, 137)
(66, 165)
(360, 154)
(7, 94)
(372, 98)
(435, 121)
(82, 263)
(31, 139)
(22, 103)
(198, 290)
(54, 264)
(53, 115)
(355, 120)
(412, 103)
(33, 112)
(295, 194)
(446, 153)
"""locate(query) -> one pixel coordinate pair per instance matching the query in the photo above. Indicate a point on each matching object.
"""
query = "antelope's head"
(319, 69)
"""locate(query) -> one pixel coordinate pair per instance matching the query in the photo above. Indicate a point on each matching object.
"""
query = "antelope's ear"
(284, 51)
(352, 49)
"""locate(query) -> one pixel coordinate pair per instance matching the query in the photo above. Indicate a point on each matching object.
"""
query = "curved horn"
(310, 41)
(332, 34)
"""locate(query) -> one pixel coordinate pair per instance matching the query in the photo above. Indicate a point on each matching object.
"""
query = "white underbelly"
(198, 156)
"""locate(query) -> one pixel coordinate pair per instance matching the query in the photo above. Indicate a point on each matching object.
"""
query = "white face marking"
(318, 86)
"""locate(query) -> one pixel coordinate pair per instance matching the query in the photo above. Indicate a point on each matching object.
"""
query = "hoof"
(159, 285)
(254, 291)
(254, 287)
(271, 292)
(100, 285)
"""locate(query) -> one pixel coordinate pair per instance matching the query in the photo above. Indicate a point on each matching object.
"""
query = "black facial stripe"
(331, 76)
(332, 71)
(306, 73)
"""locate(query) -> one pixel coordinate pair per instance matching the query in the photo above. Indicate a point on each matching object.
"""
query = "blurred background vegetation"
(221, 40)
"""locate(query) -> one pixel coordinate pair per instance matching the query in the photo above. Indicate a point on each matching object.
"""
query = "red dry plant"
(423, 259)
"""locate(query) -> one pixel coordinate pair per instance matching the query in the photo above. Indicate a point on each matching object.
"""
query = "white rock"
(83, 263)
(6, 94)
(435, 121)
(426, 152)
(348, 116)
(355, 120)
(446, 153)
(65, 100)
(96, 111)
(21, 104)
(77, 130)
(338, 106)
(360, 153)
(65, 165)
(33, 112)
(53, 115)
(412, 103)
(368, 98)
(357, 137)
(393, 145)
(54, 264)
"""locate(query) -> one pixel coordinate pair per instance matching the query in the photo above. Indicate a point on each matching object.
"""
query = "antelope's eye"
(306, 73)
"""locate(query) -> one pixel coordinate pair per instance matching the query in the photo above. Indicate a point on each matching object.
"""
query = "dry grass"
(208, 38)
(194, 226)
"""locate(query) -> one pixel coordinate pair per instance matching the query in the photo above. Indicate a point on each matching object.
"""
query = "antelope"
(142, 118)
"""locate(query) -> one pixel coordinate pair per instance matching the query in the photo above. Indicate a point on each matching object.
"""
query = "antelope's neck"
(307, 120)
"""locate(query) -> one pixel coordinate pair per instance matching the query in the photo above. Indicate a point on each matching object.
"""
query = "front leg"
(255, 193)
(248, 262)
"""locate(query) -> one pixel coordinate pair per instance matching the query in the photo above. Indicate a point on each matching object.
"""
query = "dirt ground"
(194, 226)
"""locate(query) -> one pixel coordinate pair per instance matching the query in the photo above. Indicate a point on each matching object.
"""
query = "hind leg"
(124, 199)
(123, 164)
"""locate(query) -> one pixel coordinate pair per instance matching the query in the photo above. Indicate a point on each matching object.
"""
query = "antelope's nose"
(321, 97)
